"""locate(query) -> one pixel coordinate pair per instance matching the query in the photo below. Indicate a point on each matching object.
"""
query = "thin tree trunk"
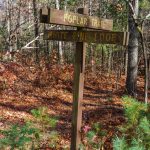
(103, 58)
(46, 51)
(126, 62)
(60, 50)
(30, 8)
(109, 60)
(36, 31)
(145, 66)
(9, 27)
(149, 72)
(92, 62)
(18, 25)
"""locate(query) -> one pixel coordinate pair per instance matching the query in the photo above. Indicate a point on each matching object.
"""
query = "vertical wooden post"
(79, 67)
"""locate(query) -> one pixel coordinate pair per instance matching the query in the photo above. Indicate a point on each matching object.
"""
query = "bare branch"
(27, 45)
(131, 8)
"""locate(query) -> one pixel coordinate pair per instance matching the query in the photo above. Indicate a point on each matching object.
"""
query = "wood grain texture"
(60, 17)
(102, 37)
(79, 67)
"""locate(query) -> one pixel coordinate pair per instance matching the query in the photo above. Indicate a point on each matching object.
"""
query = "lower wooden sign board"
(102, 37)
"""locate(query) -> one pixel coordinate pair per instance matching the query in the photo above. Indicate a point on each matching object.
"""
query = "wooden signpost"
(79, 66)
(80, 36)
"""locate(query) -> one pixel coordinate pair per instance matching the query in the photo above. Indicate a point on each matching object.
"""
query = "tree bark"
(145, 64)
(109, 60)
(60, 50)
(9, 27)
(131, 80)
(36, 31)
(149, 72)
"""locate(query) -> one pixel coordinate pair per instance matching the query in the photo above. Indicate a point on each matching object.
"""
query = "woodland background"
(35, 73)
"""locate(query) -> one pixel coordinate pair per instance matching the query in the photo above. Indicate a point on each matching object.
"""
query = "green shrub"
(18, 137)
(136, 131)
(33, 135)
(42, 117)
(93, 137)
(46, 124)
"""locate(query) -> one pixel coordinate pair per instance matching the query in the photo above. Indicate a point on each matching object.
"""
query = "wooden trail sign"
(60, 17)
(103, 37)
(80, 36)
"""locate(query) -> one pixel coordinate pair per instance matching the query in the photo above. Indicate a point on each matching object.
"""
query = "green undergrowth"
(135, 133)
(93, 137)
(40, 133)
(36, 134)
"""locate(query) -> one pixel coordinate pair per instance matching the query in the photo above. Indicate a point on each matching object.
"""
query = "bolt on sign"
(54, 16)
(102, 37)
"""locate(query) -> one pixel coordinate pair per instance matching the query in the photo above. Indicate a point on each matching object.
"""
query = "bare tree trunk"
(145, 65)
(90, 7)
(9, 27)
(131, 80)
(126, 62)
(46, 51)
(60, 50)
(109, 60)
(149, 72)
(36, 31)
(92, 61)
(103, 55)
(18, 25)
(30, 8)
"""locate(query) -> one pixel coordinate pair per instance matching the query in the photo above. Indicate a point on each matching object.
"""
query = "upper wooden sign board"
(102, 37)
(60, 17)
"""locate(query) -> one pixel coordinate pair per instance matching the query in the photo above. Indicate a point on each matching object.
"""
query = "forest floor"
(23, 88)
